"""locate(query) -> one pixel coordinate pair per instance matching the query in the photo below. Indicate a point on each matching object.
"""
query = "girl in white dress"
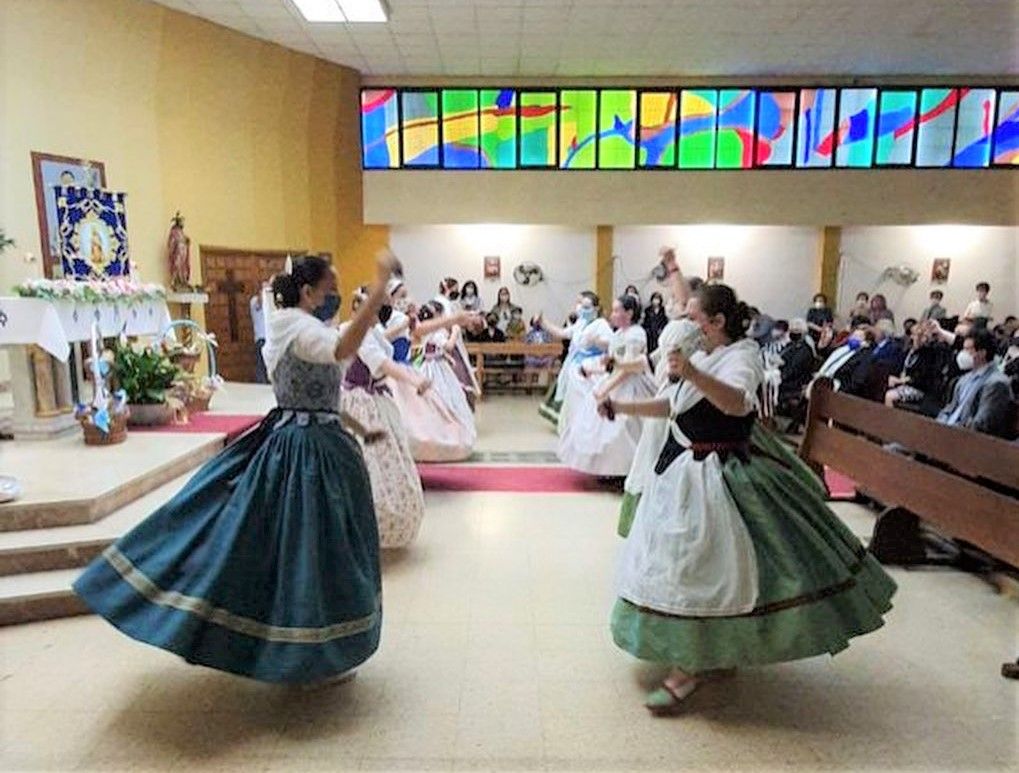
(449, 301)
(586, 311)
(592, 342)
(589, 443)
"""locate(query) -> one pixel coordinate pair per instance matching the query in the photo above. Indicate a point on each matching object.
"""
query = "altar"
(38, 333)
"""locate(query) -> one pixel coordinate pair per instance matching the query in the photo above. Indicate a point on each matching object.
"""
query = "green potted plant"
(145, 374)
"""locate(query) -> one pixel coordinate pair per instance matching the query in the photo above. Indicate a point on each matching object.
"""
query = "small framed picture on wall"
(939, 271)
(716, 269)
(493, 267)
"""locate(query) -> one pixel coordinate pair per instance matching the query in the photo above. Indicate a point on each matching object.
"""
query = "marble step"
(26, 598)
(70, 547)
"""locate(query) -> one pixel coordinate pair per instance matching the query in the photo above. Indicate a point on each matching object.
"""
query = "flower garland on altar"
(118, 290)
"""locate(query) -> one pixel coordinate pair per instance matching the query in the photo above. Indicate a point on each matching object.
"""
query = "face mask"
(468, 293)
(854, 344)
(964, 360)
(328, 309)
(585, 313)
(794, 337)
(818, 304)
(454, 295)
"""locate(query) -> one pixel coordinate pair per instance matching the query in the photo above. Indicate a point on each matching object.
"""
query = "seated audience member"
(819, 315)
(654, 320)
(887, 349)
(470, 300)
(879, 310)
(935, 310)
(779, 339)
(516, 329)
(491, 334)
(980, 309)
(760, 326)
(798, 363)
(907, 332)
(923, 378)
(849, 366)
(982, 399)
(860, 313)
(536, 334)
(503, 308)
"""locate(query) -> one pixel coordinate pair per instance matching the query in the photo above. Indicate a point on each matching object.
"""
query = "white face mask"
(818, 304)
(401, 304)
(964, 360)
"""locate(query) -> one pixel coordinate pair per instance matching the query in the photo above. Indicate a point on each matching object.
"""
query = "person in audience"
(798, 363)
(760, 326)
(654, 320)
(733, 558)
(934, 310)
(982, 399)
(980, 309)
(849, 365)
(537, 335)
(907, 331)
(491, 334)
(887, 349)
(779, 339)
(632, 291)
(879, 310)
(860, 313)
(818, 315)
(922, 379)
(503, 308)
(516, 329)
(470, 299)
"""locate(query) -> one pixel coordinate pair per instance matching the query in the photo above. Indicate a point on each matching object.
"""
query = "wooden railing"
(528, 376)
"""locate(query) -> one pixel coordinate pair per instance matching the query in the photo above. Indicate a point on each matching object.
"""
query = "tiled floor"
(496, 656)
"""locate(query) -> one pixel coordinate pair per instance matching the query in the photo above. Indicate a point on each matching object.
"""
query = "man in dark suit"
(798, 363)
(982, 400)
(849, 366)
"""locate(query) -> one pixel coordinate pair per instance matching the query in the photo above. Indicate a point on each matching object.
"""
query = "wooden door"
(231, 278)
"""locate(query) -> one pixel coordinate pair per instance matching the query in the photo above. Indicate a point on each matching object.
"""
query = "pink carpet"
(840, 487)
(231, 425)
(461, 477)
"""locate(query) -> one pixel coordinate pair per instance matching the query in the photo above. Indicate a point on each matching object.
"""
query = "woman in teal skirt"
(266, 564)
(733, 559)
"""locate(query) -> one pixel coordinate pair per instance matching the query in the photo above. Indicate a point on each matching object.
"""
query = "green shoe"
(666, 701)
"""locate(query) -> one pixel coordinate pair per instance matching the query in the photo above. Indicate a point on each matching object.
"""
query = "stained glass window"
(419, 127)
(1006, 131)
(578, 129)
(896, 125)
(498, 108)
(617, 114)
(658, 128)
(776, 118)
(936, 127)
(973, 131)
(460, 130)
(538, 128)
(855, 134)
(380, 134)
(698, 109)
(736, 115)
(815, 136)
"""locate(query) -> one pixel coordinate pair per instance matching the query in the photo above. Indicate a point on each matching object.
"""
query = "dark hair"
(470, 282)
(651, 300)
(721, 299)
(884, 301)
(909, 322)
(499, 294)
(593, 297)
(447, 284)
(983, 341)
(865, 296)
(695, 283)
(1010, 318)
(781, 324)
(631, 305)
(307, 272)
(822, 296)
(938, 294)
(626, 291)
(429, 311)
(492, 319)
(983, 286)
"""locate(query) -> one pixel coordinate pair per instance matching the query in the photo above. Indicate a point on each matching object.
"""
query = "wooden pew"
(962, 483)
(531, 376)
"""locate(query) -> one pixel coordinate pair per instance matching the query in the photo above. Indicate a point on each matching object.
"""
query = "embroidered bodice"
(307, 386)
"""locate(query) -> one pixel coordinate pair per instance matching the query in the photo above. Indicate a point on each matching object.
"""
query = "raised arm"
(421, 329)
(562, 333)
(679, 288)
(368, 313)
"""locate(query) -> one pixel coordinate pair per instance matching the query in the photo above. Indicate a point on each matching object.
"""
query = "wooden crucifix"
(231, 287)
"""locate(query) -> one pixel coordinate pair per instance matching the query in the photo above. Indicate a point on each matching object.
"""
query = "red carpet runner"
(229, 424)
(461, 477)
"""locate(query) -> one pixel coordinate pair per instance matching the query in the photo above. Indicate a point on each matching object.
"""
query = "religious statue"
(178, 252)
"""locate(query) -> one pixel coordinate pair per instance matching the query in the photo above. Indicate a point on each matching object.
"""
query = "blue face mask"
(853, 344)
(328, 309)
(585, 314)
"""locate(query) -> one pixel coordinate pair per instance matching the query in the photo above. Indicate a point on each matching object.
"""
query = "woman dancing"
(266, 564)
(449, 301)
(367, 399)
(589, 443)
(734, 558)
(586, 312)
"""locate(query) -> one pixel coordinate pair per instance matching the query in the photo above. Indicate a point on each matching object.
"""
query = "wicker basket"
(158, 415)
(96, 437)
(199, 404)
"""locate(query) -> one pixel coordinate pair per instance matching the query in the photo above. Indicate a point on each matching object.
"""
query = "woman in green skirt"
(733, 559)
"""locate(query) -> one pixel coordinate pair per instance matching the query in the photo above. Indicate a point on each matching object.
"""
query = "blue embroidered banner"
(92, 225)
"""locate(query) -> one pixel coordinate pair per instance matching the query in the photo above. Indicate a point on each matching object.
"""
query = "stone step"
(69, 547)
(26, 598)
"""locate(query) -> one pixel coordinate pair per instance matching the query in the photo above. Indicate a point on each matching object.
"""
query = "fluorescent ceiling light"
(364, 10)
(320, 10)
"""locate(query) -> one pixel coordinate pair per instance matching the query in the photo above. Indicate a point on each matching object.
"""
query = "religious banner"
(92, 227)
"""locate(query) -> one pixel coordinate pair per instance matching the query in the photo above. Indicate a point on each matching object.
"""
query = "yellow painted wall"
(255, 144)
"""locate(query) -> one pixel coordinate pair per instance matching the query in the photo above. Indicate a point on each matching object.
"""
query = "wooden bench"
(962, 483)
(521, 376)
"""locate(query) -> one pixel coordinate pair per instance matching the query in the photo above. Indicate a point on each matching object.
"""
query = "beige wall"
(844, 197)
(255, 144)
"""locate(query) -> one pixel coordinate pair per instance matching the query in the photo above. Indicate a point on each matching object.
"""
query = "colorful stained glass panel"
(973, 132)
(419, 127)
(855, 135)
(776, 119)
(658, 128)
(896, 125)
(538, 128)
(1006, 130)
(617, 116)
(815, 135)
(736, 115)
(498, 108)
(578, 129)
(380, 134)
(460, 131)
(936, 127)
(698, 109)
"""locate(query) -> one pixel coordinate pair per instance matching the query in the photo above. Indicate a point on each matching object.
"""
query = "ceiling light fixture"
(364, 10)
(320, 10)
